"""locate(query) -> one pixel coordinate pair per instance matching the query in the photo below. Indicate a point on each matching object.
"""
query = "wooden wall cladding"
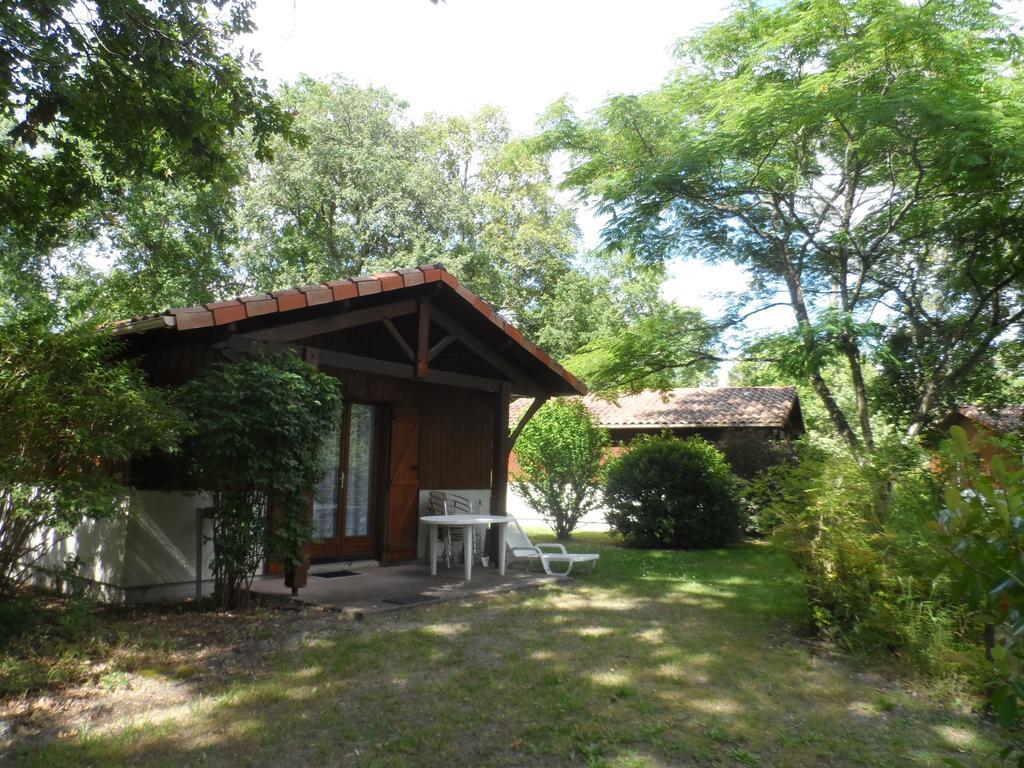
(456, 426)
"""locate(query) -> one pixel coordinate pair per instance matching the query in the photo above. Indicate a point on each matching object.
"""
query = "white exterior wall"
(517, 507)
(98, 544)
(146, 552)
(160, 546)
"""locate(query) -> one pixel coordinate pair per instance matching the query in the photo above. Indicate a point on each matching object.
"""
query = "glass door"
(344, 517)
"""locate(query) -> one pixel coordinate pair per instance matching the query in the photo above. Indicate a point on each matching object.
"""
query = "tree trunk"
(860, 388)
(796, 297)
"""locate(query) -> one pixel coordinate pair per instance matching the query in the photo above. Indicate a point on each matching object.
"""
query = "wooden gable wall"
(455, 426)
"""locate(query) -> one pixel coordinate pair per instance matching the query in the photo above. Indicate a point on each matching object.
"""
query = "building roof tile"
(691, 407)
(221, 313)
(1008, 418)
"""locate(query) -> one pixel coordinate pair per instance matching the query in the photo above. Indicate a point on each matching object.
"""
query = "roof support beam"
(399, 339)
(423, 339)
(327, 358)
(530, 413)
(507, 369)
(440, 347)
(339, 322)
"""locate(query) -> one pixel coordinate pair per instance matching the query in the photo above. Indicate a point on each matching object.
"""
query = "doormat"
(336, 574)
(409, 600)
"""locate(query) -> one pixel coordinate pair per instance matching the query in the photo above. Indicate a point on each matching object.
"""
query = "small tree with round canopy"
(560, 453)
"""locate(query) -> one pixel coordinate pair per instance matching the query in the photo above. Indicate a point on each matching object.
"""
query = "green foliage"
(864, 536)
(604, 292)
(665, 492)
(560, 453)
(72, 415)
(167, 244)
(370, 190)
(260, 425)
(848, 153)
(113, 90)
(670, 347)
(984, 528)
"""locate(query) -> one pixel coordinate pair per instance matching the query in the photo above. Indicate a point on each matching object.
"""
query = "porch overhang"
(434, 326)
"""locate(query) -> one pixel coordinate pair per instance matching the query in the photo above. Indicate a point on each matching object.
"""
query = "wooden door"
(403, 484)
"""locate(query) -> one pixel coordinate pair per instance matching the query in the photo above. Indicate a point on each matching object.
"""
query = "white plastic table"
(466, 522)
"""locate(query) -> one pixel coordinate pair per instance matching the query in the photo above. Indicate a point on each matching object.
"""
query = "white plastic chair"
(521, 548)
(441, 503)
(438, 505)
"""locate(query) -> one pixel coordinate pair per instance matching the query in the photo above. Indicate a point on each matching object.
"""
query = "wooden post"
(499, 465)
(423, 339)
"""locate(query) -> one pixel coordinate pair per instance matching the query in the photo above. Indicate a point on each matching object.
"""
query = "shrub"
(666, 492)
(71, 417)
(260, 427)
(560, 452)
(749, 453)
(865, 540)
(775, 492)
(984, 528)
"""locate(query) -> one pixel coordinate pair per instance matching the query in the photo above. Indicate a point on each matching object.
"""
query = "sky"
(460, 55)
(520, 55)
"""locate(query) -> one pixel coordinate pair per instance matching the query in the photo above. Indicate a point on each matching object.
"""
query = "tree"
(671, 347)
(105, 99)
(983, 525)
(602, 293)
(560, 452)
(259, 430)
(370, 190)
(858, 157)
(101, 94)
(72, 415)
(165, 244)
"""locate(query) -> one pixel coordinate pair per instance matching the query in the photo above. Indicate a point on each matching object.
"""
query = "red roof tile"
(1008, 418)
(192, 317)
(389, 281)
(317, 294)
(289, 299)
(343, 289)
(690, 407)
(259, 305)
(219, 313)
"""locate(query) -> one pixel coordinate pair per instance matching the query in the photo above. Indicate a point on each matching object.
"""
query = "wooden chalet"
(982, 425)
(427, 371)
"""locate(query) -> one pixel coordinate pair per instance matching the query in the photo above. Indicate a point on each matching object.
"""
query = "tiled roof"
(289, 299)
(1008, 418)
(692, 407)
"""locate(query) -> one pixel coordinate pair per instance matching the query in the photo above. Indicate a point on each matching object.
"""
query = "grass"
(656, 659)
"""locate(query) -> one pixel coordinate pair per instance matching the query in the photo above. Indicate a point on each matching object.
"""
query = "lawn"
(656, 659)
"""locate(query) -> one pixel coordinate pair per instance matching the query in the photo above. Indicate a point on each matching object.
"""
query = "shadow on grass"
(658, 658)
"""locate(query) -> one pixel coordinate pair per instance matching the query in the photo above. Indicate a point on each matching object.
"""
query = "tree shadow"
(656, 659)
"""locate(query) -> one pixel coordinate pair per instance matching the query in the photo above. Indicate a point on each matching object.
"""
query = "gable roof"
(286, 306)
(1008, 418)
(695, 407)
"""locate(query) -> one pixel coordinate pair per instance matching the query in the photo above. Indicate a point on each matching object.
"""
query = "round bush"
(673, 493)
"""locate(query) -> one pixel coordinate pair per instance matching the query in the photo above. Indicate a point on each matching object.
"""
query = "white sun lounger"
(521, 548)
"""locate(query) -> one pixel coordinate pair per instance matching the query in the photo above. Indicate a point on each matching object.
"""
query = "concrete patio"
(377, 589)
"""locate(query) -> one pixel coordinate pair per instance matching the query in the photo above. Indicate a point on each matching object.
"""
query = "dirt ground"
(164, 661)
